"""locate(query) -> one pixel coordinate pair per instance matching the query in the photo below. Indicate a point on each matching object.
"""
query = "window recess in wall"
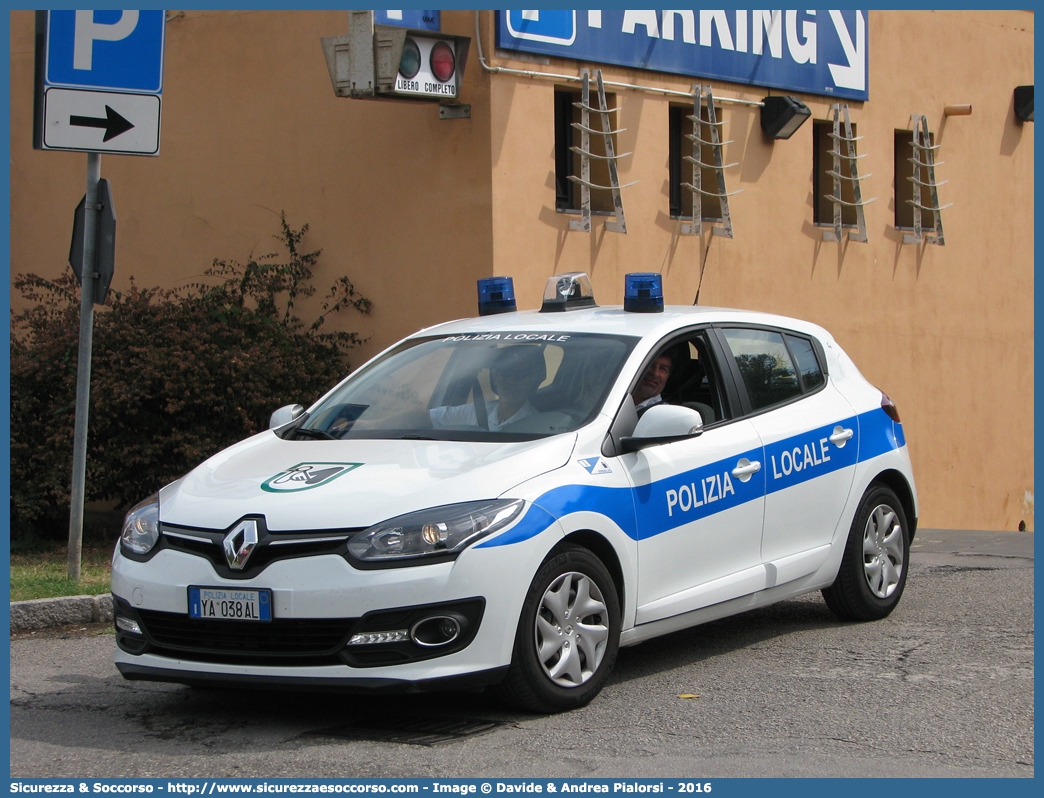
(695, 198)
(839, 196)
(918, 193)
(586, 174)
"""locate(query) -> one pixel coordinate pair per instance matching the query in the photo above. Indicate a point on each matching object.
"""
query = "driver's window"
(693, 381)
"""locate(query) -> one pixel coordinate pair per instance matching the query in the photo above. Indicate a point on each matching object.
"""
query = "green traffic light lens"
(410, 63)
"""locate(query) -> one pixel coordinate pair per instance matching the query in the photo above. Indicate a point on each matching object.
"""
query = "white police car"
(482, 504)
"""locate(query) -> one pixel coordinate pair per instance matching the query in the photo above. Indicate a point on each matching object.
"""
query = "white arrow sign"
(97, 121)
(852, 76)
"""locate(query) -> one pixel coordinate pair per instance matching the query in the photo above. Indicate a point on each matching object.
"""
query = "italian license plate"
(219, 603)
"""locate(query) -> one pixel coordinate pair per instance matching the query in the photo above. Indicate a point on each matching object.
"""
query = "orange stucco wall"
(415, 208)
(395, 197)
(946, 331)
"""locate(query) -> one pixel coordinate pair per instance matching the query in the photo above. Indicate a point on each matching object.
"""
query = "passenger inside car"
(514, 376)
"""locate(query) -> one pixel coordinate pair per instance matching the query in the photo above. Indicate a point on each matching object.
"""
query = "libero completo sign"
(818, 52)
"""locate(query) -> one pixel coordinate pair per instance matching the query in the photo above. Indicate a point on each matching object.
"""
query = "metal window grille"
(924, 158)
(619, 224)
(706, 132)
(842, 162)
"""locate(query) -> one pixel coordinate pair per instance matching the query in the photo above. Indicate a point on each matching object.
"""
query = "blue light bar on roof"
(643, 292)
(496, 295)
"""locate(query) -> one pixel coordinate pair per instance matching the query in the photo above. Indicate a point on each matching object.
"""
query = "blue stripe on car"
(798, 459)
(711, 489)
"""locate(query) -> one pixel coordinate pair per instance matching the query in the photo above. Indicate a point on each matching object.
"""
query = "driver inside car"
(647, 392)
(514, 376)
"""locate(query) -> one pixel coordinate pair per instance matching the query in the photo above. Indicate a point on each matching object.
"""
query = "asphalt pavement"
(941, 688)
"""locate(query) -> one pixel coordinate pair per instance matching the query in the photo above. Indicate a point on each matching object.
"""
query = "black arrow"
(113, 124)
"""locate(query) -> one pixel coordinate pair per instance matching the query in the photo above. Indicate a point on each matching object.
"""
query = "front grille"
(263, 556)
(296, 641)
(271, 546)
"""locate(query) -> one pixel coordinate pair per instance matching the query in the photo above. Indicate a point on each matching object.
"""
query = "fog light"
(127, 625)
(371, 638)
(437, 631)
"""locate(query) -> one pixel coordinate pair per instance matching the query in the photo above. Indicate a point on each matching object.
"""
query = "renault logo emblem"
(239, 544)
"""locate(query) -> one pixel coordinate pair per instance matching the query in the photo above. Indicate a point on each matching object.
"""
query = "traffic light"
(390, 62)
(428, 68)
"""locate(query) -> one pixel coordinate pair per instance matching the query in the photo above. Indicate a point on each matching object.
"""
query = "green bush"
(176, 375)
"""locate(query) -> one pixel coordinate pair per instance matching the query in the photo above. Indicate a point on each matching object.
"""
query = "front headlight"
(436, 531)
(141, 526)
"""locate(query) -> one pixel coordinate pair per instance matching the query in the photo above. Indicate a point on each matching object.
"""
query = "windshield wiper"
(316, 434)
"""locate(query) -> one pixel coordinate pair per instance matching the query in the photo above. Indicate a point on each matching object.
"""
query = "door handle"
(745, 469)
(840, 436)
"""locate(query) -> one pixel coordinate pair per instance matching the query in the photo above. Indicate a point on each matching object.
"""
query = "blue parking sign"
(106, 50)
(816, 51)
(551, 27)
(410, 18)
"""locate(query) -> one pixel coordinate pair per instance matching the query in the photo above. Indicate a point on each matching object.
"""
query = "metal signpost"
(99, 85)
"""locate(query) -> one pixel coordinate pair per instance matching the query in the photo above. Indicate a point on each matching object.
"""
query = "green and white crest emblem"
(305, 476)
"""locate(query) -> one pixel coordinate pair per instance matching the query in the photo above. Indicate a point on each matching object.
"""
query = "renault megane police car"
(508, 499)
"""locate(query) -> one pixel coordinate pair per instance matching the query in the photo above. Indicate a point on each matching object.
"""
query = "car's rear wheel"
(567, 636)
(873, 570)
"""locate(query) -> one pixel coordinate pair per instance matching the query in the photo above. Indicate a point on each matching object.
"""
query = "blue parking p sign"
(548, 26)
(106, 50)
(410, 18)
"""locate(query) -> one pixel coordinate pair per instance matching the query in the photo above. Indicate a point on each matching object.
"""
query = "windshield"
(503, 386)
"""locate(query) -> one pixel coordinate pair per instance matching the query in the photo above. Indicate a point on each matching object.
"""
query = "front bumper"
(326, 596)
(301, 641)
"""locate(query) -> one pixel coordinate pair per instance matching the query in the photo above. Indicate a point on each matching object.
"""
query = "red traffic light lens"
(410, 63)
(443, 61)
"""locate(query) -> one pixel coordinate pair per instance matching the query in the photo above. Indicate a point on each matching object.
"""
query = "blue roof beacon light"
(643, 292)
(569, 291)
(496, 295)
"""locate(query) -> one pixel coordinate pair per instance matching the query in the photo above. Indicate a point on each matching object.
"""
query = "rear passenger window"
(807, 363)
(765, 364)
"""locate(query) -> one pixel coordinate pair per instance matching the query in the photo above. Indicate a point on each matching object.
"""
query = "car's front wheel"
(873, 570)
(568, 634)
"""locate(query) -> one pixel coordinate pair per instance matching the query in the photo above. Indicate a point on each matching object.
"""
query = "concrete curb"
(27, 616)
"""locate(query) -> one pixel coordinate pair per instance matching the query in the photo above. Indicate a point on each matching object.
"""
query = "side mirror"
(664, 424)
(284, 415)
